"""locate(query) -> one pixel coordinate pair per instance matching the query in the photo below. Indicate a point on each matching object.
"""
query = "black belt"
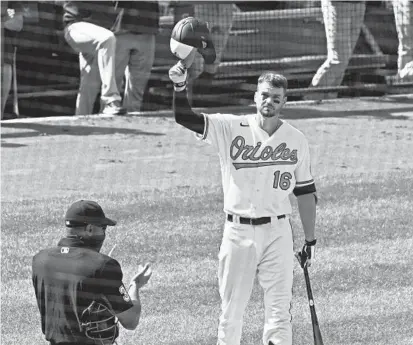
(253, 221)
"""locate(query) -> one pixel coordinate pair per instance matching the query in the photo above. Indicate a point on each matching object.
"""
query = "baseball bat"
(318, 340)
(111, 251)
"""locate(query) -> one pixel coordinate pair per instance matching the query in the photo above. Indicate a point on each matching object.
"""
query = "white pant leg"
(236, 275)
(95, 40)
(403, 14)
(342, 23)
(90, 84)
(139, 69)
(275, 275)
(6, 78)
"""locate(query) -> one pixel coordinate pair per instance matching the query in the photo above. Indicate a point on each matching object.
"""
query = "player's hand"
(142, 277)
(178, 74)
(307, 253)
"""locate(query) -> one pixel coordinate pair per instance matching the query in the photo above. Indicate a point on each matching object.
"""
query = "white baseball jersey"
(258, 171)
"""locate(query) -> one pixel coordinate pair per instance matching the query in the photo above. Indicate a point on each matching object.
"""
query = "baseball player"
(263, 160)
(79, 291)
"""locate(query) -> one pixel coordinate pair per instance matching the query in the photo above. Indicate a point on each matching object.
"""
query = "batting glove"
(307, 253)
(178, 74)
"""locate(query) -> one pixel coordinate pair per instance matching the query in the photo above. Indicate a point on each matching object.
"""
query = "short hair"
(275, 79)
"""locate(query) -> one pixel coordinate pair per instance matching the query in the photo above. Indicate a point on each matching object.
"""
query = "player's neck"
(269, 125)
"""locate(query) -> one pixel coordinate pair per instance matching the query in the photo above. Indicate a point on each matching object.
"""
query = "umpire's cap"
(190, 33)
(86, 212)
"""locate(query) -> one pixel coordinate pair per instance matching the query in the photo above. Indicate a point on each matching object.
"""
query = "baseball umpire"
(263, 160)
(79, 291)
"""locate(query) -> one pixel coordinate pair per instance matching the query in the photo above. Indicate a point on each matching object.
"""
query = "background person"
(87, 31)
(342, 22)
(79, 291)
(219, 17)
(403, 14)
(135, 49)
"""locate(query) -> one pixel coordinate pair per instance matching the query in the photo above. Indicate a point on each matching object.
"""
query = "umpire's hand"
(142, 277)
(307, 253)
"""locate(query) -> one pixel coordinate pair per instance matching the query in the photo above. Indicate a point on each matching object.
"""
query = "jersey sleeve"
(304, 179)
(113, 290)
(217, 130)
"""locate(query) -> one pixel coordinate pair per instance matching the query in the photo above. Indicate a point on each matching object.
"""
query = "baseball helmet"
(190, 33)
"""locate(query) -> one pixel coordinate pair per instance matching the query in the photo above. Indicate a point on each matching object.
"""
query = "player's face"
(269, 100)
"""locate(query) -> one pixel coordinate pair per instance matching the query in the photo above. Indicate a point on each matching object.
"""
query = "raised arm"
(183, 113)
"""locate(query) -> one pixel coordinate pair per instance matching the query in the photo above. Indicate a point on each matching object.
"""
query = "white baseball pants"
(247, 251)
(403, 14)
(342, 21)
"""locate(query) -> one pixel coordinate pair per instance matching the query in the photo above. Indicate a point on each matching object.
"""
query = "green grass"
(165, 191)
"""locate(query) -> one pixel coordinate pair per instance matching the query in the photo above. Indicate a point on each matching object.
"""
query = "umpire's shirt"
(66, 279)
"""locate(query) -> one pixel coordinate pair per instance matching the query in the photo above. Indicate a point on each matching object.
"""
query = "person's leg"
(123, 49)
(90, 84)
(341, 40)
(219, 18)
(236, 275)
(140, 64)
(275, 275)
(403, 14)
(94, 40)
(6, 78)
(357, 11)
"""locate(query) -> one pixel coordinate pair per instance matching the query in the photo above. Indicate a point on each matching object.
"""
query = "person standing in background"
(342, 22)
(87, 31)
(135, 49)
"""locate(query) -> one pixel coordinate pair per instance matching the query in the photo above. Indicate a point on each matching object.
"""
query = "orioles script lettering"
(281, 155)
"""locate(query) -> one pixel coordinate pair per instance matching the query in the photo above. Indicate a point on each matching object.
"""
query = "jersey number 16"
(282, 180)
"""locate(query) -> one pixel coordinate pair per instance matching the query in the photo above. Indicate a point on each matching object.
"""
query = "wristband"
(311, 243)
(180, 86)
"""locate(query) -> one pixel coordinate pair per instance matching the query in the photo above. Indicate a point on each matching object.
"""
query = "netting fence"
(326, 49)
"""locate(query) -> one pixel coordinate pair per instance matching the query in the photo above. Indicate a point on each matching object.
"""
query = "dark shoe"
(9, 116)
(114, 108)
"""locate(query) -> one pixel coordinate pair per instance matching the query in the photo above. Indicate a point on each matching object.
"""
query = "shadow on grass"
(11, 145)
(39, 129)
(353, 108)
(313, 113)
(211, 340)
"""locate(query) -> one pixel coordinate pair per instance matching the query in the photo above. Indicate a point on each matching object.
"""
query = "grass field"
(164, 188)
